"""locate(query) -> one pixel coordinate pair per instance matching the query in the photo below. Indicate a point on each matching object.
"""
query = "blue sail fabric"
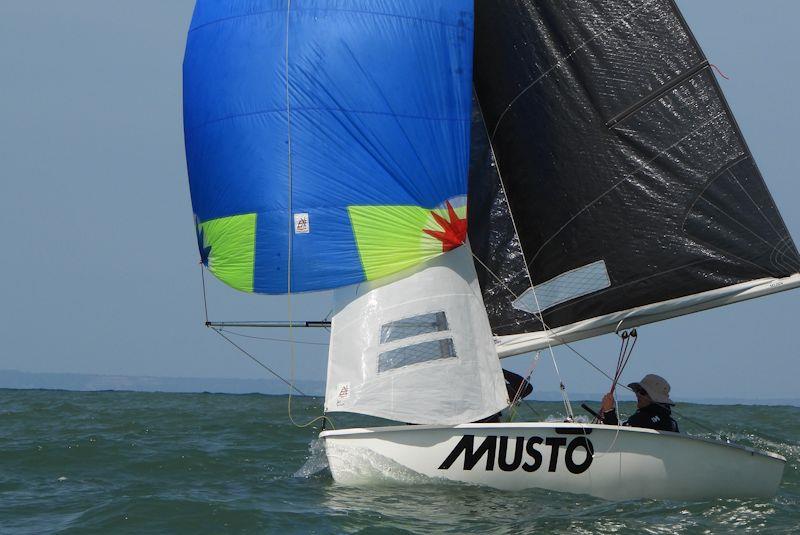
(334, 129)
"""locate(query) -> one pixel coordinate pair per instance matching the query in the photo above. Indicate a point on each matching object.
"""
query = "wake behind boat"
(474, 182)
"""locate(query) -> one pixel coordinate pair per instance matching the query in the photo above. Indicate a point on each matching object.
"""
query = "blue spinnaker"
(334, 131)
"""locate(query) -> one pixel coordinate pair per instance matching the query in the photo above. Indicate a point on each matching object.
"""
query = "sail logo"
(301, 224)
(526, 454)
(343, 394)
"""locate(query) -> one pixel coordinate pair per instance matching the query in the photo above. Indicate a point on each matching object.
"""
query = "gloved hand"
(608, 403)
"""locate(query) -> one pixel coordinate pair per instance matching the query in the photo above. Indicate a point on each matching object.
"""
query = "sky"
(99, 260)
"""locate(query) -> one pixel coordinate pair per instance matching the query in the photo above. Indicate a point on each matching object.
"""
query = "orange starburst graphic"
(454, 229)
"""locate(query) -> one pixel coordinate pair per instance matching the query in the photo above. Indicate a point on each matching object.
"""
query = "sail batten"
(658, 93)
(618, 152)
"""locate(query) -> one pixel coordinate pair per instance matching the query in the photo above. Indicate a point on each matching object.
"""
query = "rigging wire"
(234, 344)
(220, 331)
(493, 274)
(567, 405)
(270, 339)
(695, 422)
(545, 326)
(562, 388)
(614, 379)
(290, 383)
(254, 359)
(517, 395)
(205, 299)
(618, 373)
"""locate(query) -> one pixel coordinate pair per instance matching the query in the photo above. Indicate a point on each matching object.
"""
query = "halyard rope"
(292, 352)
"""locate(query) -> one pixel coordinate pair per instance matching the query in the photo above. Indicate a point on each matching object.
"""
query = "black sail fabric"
(627, 178)
(499, 262)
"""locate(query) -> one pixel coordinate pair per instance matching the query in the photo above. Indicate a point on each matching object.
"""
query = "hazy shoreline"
(83, 382)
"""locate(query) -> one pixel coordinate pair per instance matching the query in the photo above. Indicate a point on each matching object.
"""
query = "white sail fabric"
(517, 344)
(416, 348)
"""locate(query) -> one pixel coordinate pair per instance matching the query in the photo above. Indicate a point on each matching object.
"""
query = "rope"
(493, 274)
(719, 71)
(517, 395)
(564, 395)
(242, 335)
(291, 341)
(270, 370)
(625, 352)
(290, 383)
(237, 346)
(290, 215)
(589, 362)
(614, 379)
(205, 300)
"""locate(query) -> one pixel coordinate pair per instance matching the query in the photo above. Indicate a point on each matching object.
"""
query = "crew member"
(652, 404)
(517, 388)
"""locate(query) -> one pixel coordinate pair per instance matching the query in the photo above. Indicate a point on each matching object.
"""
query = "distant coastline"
(84, 382)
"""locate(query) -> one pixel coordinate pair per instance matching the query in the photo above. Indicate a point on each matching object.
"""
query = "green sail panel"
(230, 243)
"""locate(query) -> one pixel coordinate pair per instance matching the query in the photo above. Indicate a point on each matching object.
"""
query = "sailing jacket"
(654, 416)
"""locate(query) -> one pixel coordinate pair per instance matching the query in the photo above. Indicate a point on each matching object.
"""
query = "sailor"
(517, 388)
(652, 403)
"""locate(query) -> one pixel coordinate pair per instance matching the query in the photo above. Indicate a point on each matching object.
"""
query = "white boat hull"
(610, 462)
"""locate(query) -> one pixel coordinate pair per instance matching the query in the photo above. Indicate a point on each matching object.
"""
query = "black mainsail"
(610, 184)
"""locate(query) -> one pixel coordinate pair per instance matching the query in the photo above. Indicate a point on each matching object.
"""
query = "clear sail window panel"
(416, 354)
(570, 285)
(413, 326)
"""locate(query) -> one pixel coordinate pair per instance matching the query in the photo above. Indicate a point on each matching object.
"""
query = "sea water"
(124, 462)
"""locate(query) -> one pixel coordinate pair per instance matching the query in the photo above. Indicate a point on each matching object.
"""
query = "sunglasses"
(639, 391)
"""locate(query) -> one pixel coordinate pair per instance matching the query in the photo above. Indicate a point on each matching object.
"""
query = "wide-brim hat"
(656, 387)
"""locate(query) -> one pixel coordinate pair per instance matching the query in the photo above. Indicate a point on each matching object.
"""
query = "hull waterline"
(610, 462)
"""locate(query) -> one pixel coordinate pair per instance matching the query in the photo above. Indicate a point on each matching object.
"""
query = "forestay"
(626, 193)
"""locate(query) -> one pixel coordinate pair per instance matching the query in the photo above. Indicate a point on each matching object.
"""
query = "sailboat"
(474, 181)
